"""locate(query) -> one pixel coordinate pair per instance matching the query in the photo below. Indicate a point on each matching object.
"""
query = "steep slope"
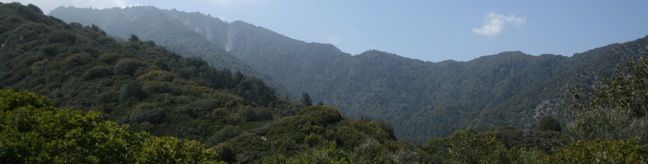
(584, 69)
(238, 38)
(151, 23)
(146, 87)
(132, 82)
(419, 99)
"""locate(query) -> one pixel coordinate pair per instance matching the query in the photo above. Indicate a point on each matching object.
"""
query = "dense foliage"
(515, 146)
(608, 126)
(236, 118)
(140, 85)
(420, 99)
(617, 108)
(131, 82)
(32, 130)
(320, 133)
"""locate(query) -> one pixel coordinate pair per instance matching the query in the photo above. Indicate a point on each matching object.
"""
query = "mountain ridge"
(419, 98)
(193, 46)
(208, 18)
(120, 88)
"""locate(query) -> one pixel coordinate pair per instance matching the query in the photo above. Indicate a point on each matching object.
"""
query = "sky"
(430, 30)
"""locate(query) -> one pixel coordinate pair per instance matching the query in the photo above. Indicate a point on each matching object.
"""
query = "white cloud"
(494, 24)
(49, 5)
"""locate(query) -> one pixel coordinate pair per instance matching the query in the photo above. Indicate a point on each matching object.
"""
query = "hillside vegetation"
(608, 125)
(106, 101)
(32, 130)
(419, 99)
(133, 101)
(131, 82)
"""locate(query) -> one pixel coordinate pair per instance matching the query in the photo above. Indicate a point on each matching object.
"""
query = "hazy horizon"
(429, 31)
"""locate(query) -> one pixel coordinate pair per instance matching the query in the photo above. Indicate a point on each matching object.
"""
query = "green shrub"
(549, 123)
(12, 99)
(256, 114)
(616, 108)
(322, 113)
(468, 147)
(32, 131)
(225, 133)
(97, 72)
(127, 66)
(173, 150)
(131, 91)
(51, 50)
(153, 115)
(313, 139)
(600, 151)
(61, 37)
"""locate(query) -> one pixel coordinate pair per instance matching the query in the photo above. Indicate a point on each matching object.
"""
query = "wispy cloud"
(495, 23)
(49, 5)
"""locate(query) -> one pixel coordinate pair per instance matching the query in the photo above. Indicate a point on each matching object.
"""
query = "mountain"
(419, 99)
(132, 82)
(177, 38)
(110, 101)
(134, 102)
(582, 69)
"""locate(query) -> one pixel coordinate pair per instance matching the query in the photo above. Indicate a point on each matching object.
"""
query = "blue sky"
(426, 29)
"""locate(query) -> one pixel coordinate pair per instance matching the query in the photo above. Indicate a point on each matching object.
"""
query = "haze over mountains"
(419, 99)
(109, 101)
(189, 88)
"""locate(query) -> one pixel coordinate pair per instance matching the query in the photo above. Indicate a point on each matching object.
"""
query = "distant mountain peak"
(379, 53)
(373, 51)
(503, 56)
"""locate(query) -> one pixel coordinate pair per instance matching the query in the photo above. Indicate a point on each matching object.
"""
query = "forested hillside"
(607, 124)
(419, 99)
(132, 82)
(108, 101)
(233, 117)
